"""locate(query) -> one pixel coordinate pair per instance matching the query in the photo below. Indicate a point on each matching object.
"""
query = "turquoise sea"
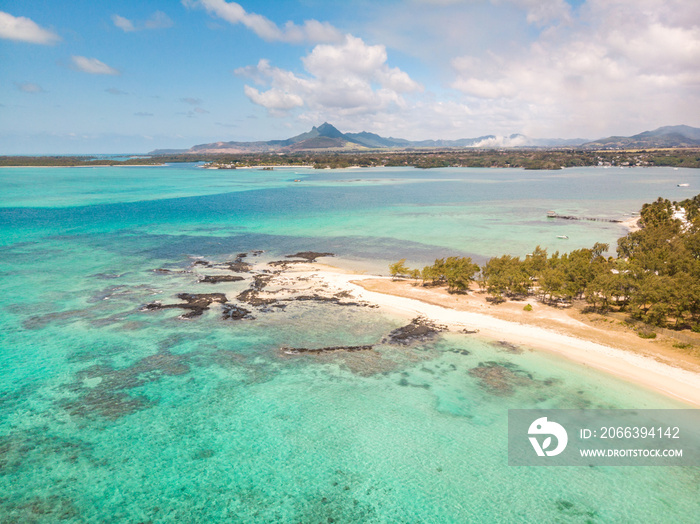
(113, 414)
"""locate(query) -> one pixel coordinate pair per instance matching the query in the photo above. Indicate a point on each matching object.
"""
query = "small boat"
(551, 214)
(562, 236)
(297, 180)
(682, 185)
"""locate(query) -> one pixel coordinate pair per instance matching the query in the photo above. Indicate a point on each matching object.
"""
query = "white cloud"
(351, 78)
(158, 20)
(274, 99)
(501, 141)
(311, 31)
(23, 29)
(28, 87)
(538, 12)
(621, 66)
(124, 24)
(542, 12)
(92, 66)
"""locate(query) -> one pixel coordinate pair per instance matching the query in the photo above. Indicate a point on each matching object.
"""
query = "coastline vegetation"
(655, 277)
(526, 158)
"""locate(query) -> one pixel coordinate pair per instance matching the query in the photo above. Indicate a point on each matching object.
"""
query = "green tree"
(399, 269)
(551, 284)
(506, 275)
(459, 273)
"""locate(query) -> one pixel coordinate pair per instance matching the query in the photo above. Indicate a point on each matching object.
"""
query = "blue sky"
(127, 76)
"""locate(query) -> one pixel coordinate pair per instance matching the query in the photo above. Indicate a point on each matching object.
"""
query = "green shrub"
(527, 307)
(681, 345)
(646, 333)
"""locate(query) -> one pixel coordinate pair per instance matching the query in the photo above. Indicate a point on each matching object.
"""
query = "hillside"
(663, 137)
(326, 137)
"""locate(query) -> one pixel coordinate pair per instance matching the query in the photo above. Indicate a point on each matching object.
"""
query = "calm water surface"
(111, 414)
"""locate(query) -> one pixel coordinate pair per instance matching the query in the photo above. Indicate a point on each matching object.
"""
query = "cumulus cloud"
(28, 87)
(311, 31)
(92, 66)
(23, 29)
(274, 99)
(621, 65)
(158, 20)
(124, 24)
(342, 79)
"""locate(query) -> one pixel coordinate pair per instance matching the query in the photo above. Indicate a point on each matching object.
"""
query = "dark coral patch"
(103, 391)
(502, 378)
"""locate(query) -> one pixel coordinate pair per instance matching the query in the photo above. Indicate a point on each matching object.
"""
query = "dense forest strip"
(503, 158)
(655, 278)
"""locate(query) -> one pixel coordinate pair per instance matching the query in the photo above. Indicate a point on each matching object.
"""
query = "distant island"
(326, 137)
(327, 147)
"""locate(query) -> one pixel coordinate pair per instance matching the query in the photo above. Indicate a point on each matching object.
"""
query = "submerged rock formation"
(502, 378)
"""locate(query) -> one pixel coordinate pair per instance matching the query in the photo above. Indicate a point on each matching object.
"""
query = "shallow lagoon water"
(108, 413)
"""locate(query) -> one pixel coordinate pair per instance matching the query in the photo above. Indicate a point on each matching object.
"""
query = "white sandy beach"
(672, 381)
(549, 330)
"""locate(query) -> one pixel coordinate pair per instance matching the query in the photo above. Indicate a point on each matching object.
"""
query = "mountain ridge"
(327, 137)
(661, 137)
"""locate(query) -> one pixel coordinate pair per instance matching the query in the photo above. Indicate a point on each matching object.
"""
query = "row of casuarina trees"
(655, 277)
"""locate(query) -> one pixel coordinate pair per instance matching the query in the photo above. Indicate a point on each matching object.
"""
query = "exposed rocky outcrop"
(419, 330)
(195, 304)
(251, 296)
(215, 279)
(310, 256)
(335, 299)
(238, 266)
(164, 271)
(233, 312)
(297, 351)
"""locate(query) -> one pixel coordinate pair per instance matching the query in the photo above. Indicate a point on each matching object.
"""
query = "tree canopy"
(655, 277)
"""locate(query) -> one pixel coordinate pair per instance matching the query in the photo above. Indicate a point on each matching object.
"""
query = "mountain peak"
(328, 130)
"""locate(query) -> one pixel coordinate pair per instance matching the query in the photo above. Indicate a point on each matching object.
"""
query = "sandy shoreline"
(563, 336)
(281, 166)
(632, 223)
